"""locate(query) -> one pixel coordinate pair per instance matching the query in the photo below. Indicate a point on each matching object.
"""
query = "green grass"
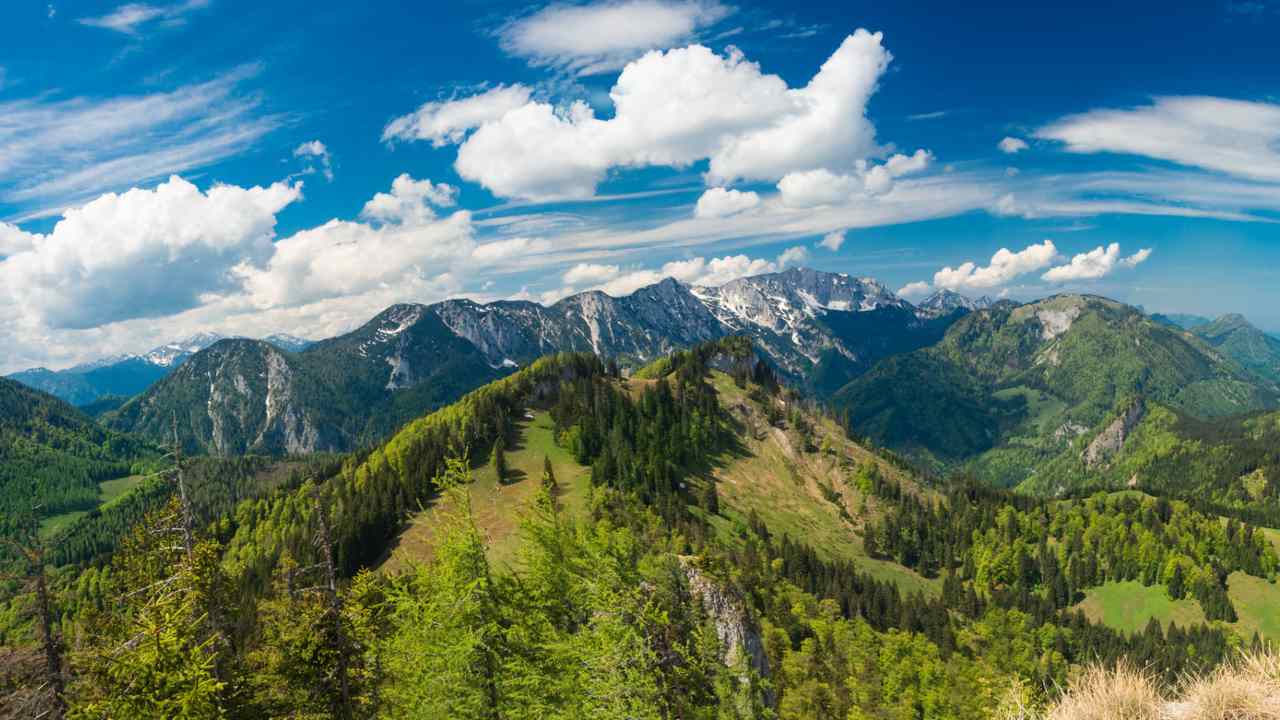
(1257, 605)
(498, 507)
(1128, 606)
(109, 491)
(1044, 411)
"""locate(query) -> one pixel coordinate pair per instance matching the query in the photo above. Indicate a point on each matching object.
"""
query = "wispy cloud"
(133, 18)
(596, 38)
(55, 152)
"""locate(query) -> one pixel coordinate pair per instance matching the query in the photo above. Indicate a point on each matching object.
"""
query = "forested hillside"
(53, 457)
(724, 551)
(1012, 386)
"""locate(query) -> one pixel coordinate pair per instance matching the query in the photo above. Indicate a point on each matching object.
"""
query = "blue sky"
(248, 168)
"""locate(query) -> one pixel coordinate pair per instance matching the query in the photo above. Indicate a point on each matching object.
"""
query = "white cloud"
(833, 240)
(144, 253)
(502, 250)
(132, 17)
(592, 38)
(815, 188)
(343, 258)
(915, 290)
(316, 150)
(447, 122)
(1096, 263)
(14, 239)
(1237, 137)
(1005, 266)
(717, 271)
(675, 108)
(409, 201)
(61, 152)
(611, 279)
(797, 255)
(1012, 145)
(590, 274)
(719, 202)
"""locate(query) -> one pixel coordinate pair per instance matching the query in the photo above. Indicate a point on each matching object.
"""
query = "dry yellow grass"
(1245, 689)
(1248, 689)
(1119, 693)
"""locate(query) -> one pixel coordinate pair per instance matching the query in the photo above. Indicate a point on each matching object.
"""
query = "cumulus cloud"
(14, 239)
(590, 274)
(144, 253)
(410, 201)
(833, 240)
(1096, 263)
(671, 109)
(698, 271)
(447, 122)
(594, 38)
(815, 188)
(719, 202)
(317, 152)
(915, 290)
(1005, 266)
(1237, 137)
(341, 258)
(797, 255)
(1012, 145)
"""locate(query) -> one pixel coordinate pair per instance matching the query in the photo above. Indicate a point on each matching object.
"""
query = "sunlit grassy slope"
(498, 506)
(767, 473)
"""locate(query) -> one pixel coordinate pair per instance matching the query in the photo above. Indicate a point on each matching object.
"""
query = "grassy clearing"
(109, 491)
(1043, 410)
(498, 507)
(1128, 606)
(1257, 604)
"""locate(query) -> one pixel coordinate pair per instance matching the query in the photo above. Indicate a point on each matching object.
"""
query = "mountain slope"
(1018, 383)
(244, 395)
(1244, 343)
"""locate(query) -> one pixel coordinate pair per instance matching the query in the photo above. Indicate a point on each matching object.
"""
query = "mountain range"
(819, 329)
(953, 380)
(122, 376)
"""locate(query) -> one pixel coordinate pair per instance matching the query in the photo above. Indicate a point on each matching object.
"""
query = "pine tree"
(498, 460)
(444, 655)
(548, 477)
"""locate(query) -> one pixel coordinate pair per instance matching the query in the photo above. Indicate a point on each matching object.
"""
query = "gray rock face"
(1111, 439)
(736, 629)
(945, 302)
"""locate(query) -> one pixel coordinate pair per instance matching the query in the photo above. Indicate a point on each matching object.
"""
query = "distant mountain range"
(819, 329)
(123, 376)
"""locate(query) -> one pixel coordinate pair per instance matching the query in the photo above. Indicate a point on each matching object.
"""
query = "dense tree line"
(1029, 553)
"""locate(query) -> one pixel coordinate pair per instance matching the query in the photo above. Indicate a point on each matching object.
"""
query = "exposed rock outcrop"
(1111, 439)
(738, 633)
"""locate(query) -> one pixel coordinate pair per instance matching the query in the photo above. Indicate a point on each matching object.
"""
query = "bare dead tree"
(49, 700)
(324, 540)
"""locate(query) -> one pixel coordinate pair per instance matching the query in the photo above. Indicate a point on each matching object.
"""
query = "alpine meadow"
(639, 360)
